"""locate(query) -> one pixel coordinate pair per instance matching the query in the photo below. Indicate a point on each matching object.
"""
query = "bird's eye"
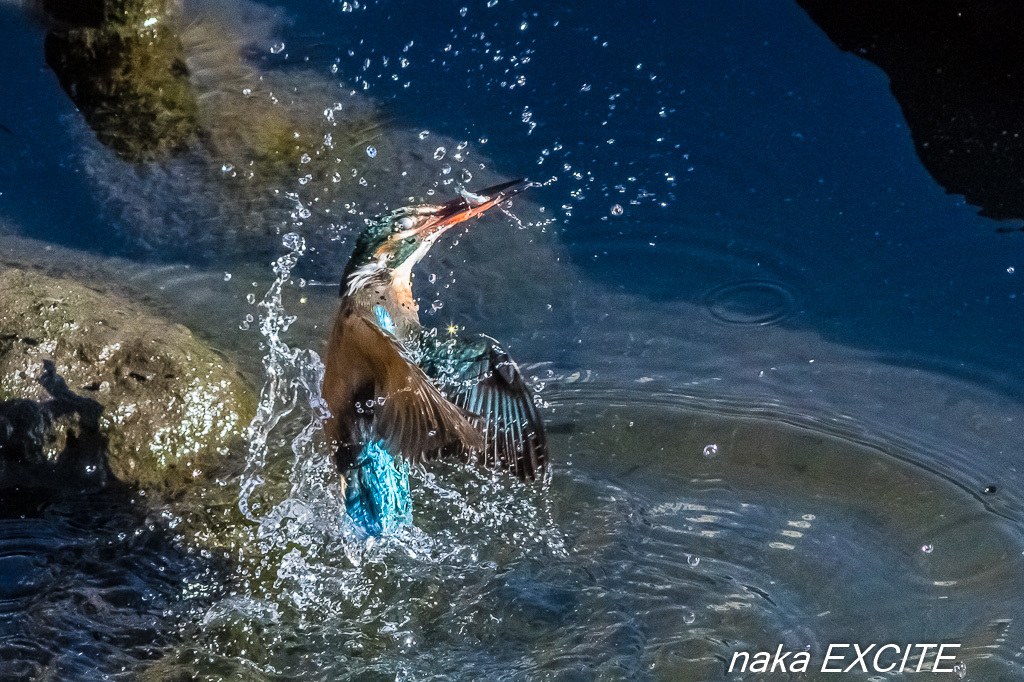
(406, 223)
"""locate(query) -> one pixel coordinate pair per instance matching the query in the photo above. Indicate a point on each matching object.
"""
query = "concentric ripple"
(752, 302)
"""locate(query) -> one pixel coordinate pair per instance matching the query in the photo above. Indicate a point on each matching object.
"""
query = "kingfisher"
(398, 394)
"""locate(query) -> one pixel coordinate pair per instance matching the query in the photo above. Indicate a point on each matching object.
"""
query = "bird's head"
(392, 244)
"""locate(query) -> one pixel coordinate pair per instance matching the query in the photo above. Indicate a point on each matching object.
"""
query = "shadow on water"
(91, 581)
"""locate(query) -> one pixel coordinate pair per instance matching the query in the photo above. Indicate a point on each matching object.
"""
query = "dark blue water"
(740, 142)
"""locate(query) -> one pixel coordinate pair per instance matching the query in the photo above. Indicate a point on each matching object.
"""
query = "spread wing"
(480, 377)
(375, 392)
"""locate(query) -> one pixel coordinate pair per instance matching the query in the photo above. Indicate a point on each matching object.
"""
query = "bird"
(400, 395)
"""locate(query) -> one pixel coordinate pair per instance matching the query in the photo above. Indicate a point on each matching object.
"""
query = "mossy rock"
(174, 410)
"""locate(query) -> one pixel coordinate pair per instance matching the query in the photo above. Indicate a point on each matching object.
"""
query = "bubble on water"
(689, 617)
(439, 153)
(250, 298)
(227, 276)
(305, 158)
(492, 3)
(227, 168)
(523, 26)
(423, 134)
(1010, 270)
(960, 669)
(304, 179)
(246, 91)
(91, 469)
(710, 450)
(692, 560)
(927, 549)
(277, 48)
(463, 11)
(617, 210)
(371, 151)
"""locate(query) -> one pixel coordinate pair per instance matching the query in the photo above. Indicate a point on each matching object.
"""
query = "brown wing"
(375, 392)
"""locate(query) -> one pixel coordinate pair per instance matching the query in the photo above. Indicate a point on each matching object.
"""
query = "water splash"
(320, 562)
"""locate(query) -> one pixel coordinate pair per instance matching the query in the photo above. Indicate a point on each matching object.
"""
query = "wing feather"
(479, 376)
(368, 366)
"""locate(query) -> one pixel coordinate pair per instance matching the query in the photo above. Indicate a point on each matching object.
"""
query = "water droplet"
(277, 48)
(293, 242)
(617, 209)
(710, 450)
(371, 151)
(927, 549)
(439, 153)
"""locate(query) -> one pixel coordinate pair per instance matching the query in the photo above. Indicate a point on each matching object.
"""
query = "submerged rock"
(122, 64)
(171, 408)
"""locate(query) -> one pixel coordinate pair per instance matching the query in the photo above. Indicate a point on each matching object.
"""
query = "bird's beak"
(471, 205)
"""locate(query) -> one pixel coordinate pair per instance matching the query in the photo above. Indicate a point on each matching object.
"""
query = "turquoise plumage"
(377, 491)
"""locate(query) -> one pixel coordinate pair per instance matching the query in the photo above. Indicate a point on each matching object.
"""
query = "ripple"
(752, 302)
